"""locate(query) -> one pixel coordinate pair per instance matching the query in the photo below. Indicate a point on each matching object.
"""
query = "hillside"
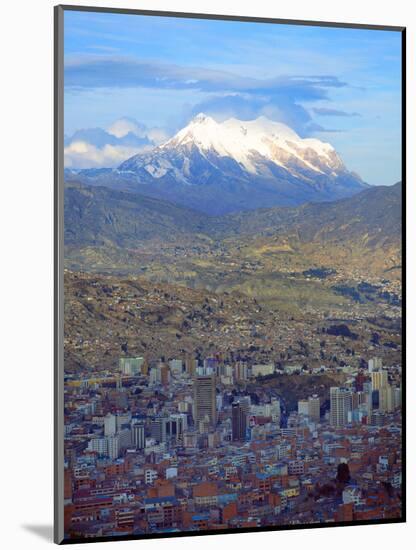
(108, 317)
(373, 214)
(101, 216)
(290, 258)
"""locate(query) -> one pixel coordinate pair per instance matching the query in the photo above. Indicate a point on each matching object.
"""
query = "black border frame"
(58, 268)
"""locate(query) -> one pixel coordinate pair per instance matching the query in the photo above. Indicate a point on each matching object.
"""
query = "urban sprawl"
(185, 444)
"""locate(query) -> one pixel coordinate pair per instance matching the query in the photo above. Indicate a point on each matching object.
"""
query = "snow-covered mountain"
(255, 147)
(236, 165)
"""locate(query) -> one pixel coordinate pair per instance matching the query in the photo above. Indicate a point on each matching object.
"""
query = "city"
(184, 445)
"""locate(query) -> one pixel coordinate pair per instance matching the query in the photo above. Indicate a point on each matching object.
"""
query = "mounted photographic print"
(229, 344)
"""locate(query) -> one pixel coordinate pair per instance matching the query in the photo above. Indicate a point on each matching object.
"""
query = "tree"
(343, 473)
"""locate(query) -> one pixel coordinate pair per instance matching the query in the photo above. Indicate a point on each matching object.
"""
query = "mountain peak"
(248, 141)
(201, 118)
(267, 160)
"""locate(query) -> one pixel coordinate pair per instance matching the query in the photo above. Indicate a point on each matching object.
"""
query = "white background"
(26, 253)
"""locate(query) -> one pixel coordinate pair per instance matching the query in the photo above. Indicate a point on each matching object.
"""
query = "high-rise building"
(153, 376)
(341, 406)
(122, 420)
(169, 428)
(190, 365)
(205, 400)
(131, 366)
(176, 366)
(113, 445)
(211, 365)
(158, 429)
(375, 364)
(379, 379)
(238, 421)
(303, 407)
(397, 397)
(311, 408)
(145, 368)
(245, 403)
(159, 374)
(176, 426)
(124, 439)
(386, 398)
(241, 371)
(164, 374)
(138, 435)
(110, 424)
(314, 408)
(99, 445)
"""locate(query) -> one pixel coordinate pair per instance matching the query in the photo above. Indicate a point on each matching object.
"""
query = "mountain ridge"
(235, 165)
(276, 255)
(377, 209)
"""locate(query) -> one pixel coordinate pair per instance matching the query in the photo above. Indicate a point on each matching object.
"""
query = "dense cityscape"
(183, 445)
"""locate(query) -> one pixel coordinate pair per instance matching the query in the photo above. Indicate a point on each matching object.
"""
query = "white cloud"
(99, 148)
(124, 126)
(158, 135)
(80, 154)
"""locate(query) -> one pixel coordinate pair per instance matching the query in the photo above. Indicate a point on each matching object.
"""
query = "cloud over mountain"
(227, 94)
(96, 147)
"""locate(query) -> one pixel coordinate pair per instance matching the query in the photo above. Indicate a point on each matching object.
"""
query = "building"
(352, 494)
(386, 398)
(303, 407)
(190, 365)
(122, 420)
(340, 406)
(262, 370)
(138, 436)
(176, 425)
(375, 364)
(113, 443)
(238, 421)
(292, 369)
(124, 439)
(158, 429)
(311, 408)
(131, 366)
(296, 468)
(99, 445)
(314, 408)
(176, 366)
(397, 397)
(379, 379)
(150, 476)
(160, 374)
(110, 425)
(241, 371)
(205, 399)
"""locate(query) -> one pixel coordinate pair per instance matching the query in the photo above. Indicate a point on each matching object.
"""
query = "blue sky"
(340, 85)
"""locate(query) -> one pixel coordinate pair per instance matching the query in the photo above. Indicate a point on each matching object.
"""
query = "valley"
(144, 276)
(273, 255)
